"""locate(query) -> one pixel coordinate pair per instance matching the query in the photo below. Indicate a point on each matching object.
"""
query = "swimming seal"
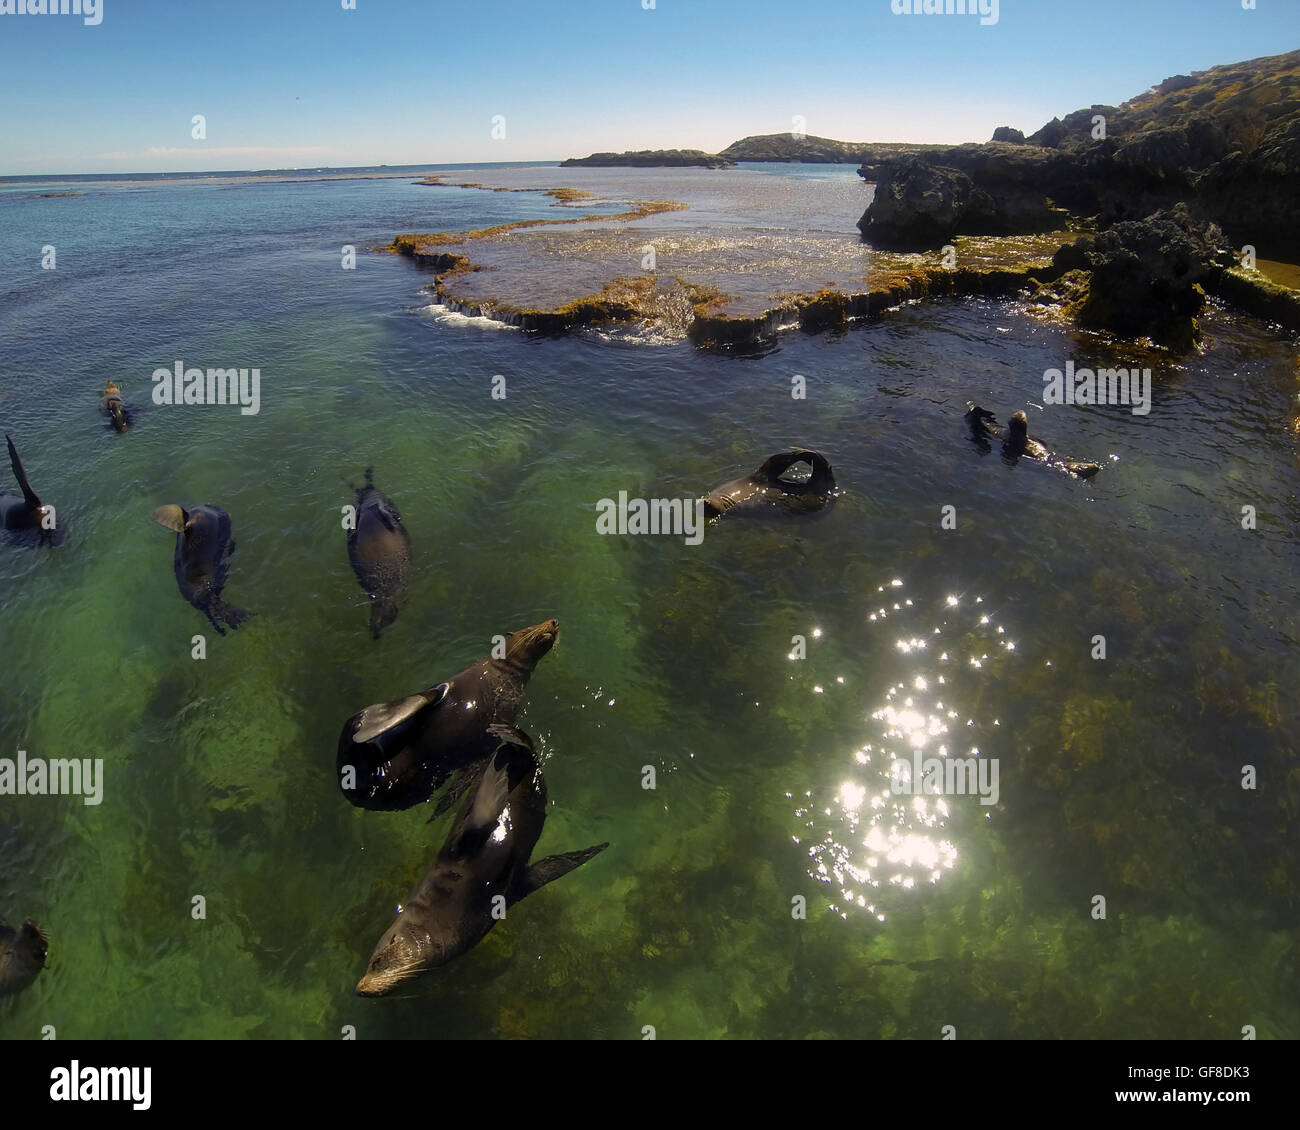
(1017, 444)
(22, 955)
(204, 543)
(25, 512)
(401, 752)
(112, 403)
(481, 869)
(380, 551)
(765, 489)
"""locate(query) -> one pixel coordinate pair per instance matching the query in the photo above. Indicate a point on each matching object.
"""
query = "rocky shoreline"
(1150, 192)
(631, 300)
(1225, 143)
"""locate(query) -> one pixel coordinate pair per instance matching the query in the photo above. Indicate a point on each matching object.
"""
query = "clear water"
(1118, 777)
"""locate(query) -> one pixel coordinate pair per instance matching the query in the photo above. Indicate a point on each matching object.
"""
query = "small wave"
(449, 317)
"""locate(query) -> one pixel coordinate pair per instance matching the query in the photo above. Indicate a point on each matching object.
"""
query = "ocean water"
(1118, 777)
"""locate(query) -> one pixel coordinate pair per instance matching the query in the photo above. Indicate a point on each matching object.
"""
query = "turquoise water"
(1118, 777)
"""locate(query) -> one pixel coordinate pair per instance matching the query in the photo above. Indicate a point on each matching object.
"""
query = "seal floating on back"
(25, 512)
(481, 869)
(111, 402)
(401, 752)
(204, 543)
(765, 489)
(380, 551)
(22, 955)
(1017, 444)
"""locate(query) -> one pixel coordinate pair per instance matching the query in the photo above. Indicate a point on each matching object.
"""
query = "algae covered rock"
(1147, 276)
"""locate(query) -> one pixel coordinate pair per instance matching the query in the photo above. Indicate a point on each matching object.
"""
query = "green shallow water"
(1117, 777)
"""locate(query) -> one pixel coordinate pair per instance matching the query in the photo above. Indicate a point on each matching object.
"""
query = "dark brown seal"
(204, 543)
(765, 489)
(379, 549)
(400, 753)
(481, 870)
(25, 513)
(1016, 443)
(111, 402)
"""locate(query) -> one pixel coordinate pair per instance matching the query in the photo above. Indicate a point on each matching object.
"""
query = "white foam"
(449, 317)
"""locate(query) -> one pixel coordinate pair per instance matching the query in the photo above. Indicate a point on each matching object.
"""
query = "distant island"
(811, 150)
(780, 147)
(652, 158)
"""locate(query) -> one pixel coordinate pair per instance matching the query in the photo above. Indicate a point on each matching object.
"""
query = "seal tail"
(19, 474)
(118, 414)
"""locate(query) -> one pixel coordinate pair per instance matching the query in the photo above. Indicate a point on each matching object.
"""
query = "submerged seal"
(481, 869)
(765, 489)
(401, 752)
(112, 403)
(22, 955)
(25, 512)
(1016, 443)
(380, 551)
(204, 543)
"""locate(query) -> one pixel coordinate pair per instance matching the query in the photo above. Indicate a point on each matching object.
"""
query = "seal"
(25, 512)
(111, 402)
(204, 543)
(22, 955)
(400, 753)
(1016, 443)
(982, 424)
(480, 871)
(764, 489)
(380, 551)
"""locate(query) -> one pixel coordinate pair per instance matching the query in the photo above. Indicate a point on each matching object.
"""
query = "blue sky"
(286, 83)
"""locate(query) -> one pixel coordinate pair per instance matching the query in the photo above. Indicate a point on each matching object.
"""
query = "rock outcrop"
(1225, 141)
(1147, 277)
(922, 204)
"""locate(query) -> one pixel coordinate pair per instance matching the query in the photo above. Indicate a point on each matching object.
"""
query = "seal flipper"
(1081, 470)
(233, 616)
(551, 868)
(375, 720)
(456, 790)
(470, 775)
(17, 464)
(171, 518)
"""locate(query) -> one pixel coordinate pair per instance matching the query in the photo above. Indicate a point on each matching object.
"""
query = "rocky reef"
(652, 158)
(1226, 142)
